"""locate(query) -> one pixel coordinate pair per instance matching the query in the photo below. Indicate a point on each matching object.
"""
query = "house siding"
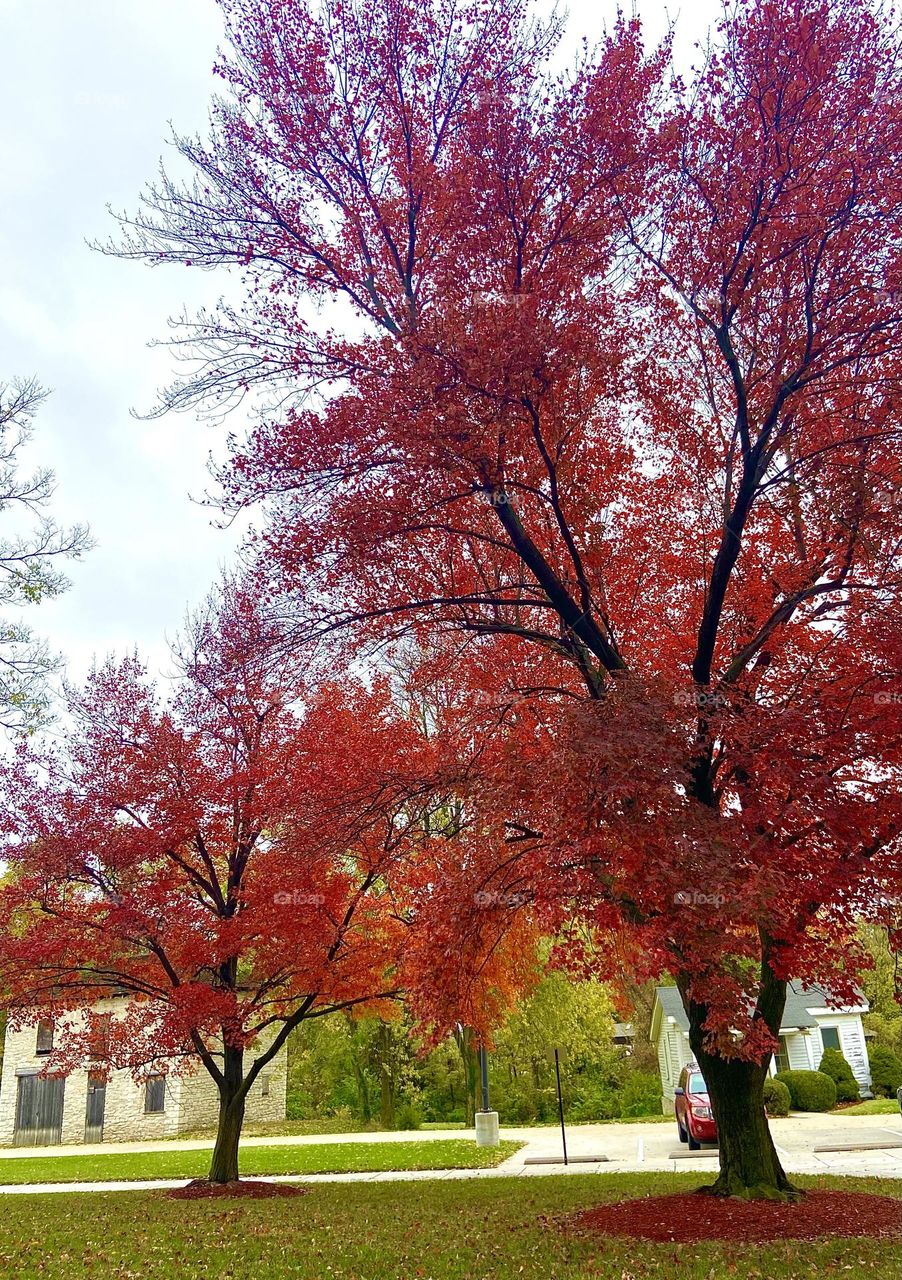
(797, 1050)
(673, 1054)
(804, 1048)
(191, 1100)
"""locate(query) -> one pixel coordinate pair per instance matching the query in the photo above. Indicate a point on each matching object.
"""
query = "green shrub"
(408, 1116)
(886, 1071)
(809, 1090)
(640, 1094)
(594, 1096)
(515, 1102)
(834, 1065)
(591, 1099)
(777, 1098)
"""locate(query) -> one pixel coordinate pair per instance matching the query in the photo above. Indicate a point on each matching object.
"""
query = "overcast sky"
(86, 90)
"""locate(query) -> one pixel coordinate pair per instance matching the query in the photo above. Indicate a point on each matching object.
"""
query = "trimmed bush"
(834, 1065)
(886, 1071)
(809, 1090)
(777, 1098)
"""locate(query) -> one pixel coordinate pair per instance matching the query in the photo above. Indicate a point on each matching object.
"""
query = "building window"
(264, 1086)
(781, 1057)
(155, 1094)
(45, 1037)
(830, 1037)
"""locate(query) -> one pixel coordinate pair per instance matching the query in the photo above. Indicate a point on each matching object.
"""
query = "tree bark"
(749, 1164)
(467, 1045)
(386, 1077)
(224, 1165)
(363, 1090)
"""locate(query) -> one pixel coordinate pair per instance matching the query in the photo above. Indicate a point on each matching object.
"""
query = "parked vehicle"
(694, 1117)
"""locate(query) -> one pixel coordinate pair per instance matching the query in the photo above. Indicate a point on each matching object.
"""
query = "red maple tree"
(231, 860)
(609, 383)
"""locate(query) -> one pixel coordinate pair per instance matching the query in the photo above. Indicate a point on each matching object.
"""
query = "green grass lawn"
(330, 1157)
(291, 1128)
(462, 1230)
(873, 1107)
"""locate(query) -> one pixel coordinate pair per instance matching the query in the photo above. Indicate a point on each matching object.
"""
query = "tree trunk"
(224, 1165)
(386, 1077)
(749, 1164)
(387, 1099)
(467, 1045)
(363, 1090)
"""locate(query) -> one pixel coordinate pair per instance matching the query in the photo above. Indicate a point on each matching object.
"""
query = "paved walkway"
(629, 1148)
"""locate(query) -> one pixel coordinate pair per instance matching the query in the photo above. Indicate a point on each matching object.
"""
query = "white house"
(808, 1028)
(36, 1110)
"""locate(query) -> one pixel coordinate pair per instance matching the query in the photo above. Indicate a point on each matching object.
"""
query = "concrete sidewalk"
(629, 1148)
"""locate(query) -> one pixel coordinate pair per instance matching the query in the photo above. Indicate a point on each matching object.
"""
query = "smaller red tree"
(229, 858)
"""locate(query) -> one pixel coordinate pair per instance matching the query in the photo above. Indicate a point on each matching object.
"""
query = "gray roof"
(799, 999)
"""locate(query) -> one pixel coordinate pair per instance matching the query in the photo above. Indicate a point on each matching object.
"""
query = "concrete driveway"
(800, 1140)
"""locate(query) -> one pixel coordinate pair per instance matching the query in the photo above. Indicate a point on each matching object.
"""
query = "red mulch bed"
(201, 1189)
(692, 1217)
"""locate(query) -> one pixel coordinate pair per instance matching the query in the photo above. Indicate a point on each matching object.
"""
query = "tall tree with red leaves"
(231, 859)
(605, 376)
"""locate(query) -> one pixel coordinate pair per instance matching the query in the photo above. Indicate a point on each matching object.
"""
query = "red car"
(695, 1120)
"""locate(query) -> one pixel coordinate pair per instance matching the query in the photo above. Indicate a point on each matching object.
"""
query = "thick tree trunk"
(386, 1077)
(224, 1165)
(749, 1164)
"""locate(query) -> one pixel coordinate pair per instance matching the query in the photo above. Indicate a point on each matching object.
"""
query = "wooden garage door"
(39, 1112)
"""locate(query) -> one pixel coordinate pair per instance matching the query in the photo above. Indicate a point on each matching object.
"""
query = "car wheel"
(684, 1137)
(694, 1144)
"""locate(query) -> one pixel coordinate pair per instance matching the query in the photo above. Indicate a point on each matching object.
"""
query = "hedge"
(886, 1070)
(834, 1065)
(776, 1097)
(809, 1090)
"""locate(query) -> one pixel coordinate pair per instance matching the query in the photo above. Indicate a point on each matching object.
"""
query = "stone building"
(37, 1110)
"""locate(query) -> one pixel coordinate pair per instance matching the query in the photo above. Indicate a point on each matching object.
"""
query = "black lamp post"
(484, 1072)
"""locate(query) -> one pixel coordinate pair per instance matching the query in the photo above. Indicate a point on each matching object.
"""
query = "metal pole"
(560, 1101)
(484, 1069)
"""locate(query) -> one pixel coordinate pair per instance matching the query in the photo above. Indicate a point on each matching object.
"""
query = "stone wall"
(199, 1103)
(190, 1101)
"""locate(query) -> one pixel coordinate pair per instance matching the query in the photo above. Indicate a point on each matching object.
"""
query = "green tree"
(576, 1017)
(882, 985)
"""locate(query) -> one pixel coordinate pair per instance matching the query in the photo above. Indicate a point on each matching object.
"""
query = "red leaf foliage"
(603, 377)
(232, 857)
